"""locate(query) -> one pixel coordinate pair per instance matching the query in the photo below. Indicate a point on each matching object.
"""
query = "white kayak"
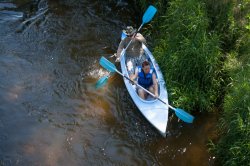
(153, 110)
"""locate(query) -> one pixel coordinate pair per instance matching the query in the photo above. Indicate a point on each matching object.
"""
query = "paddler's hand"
(156, 95)
(117, 60)
(131, 82)
(114, 55)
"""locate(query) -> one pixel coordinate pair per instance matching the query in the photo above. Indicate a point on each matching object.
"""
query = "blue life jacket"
(145, 80)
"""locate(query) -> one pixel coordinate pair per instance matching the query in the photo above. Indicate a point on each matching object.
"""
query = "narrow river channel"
(50, 112)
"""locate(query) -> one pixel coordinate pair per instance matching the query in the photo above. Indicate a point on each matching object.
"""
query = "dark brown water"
(50, 112)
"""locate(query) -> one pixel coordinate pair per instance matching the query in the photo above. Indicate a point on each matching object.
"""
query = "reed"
(188, 55)
(234, 146)
(203, 49)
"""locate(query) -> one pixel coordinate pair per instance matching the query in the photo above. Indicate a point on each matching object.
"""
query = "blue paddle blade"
(123, 36)
(149, 14)
(107, 64)
(183, 115)
(101, 82)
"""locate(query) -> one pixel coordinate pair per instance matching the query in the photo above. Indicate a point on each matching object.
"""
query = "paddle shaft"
(181, 117)
(112, 68)
(143, 88)
(133, 36)
(179, 113)
(148, 15)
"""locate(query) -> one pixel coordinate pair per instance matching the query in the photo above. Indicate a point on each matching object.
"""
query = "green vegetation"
(203, 49)
(234, 146)
(188, 55)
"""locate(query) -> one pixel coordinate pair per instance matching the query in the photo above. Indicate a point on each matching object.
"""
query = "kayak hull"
(152, 109)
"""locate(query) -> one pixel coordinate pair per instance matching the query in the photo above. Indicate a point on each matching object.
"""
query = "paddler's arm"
(155, 85)
(140, 38)
(134, 76)
(119, 50)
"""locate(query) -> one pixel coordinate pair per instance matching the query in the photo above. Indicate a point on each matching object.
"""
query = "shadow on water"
(50, 112)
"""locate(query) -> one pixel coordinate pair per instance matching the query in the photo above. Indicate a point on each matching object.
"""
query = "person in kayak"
(134, 53)
(146, 78)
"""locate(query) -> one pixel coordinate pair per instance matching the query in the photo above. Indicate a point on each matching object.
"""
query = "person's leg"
(151, 89)
(141, 93)
(130, 67)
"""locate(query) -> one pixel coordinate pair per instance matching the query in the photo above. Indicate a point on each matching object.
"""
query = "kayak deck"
(152, 109)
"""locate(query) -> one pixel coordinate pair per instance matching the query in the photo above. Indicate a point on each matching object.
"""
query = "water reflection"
(50, 112)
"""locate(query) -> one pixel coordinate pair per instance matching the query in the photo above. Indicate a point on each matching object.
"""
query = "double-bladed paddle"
(148, 15)
(101, 82)
(180, 113)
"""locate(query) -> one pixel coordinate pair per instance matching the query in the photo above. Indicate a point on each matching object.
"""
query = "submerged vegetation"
(203, 49)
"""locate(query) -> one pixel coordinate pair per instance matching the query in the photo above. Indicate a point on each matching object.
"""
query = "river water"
(50, 112)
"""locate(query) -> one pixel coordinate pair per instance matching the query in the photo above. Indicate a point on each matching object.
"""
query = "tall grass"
(189, 55)
(234, 146)
(203, 48)
(220, 16)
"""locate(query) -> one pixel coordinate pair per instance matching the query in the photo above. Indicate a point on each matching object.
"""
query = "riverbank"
(203, 50)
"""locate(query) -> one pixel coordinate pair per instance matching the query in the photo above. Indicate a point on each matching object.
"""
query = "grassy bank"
(234, 146)
(203, 49)
(188, 54)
